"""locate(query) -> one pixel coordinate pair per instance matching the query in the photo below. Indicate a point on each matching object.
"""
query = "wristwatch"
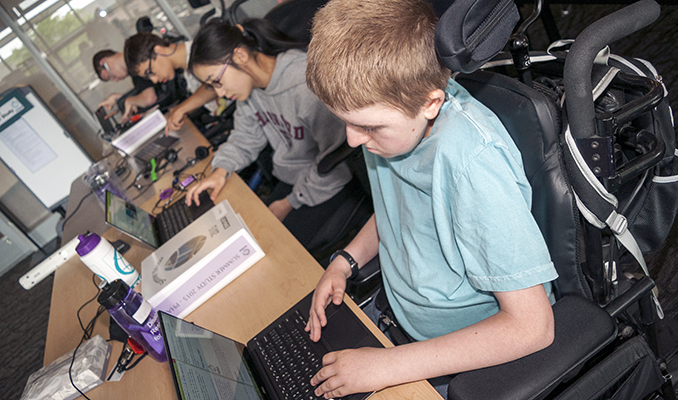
(351, 262)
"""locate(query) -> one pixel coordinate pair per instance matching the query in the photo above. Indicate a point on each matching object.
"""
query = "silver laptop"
(277, 363)
(140, 133)
(157, 230)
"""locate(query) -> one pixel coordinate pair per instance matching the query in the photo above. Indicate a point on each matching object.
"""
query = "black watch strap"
(351, 262)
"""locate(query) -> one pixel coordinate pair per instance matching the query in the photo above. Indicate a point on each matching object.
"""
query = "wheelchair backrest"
(533, 122)
(548, 151)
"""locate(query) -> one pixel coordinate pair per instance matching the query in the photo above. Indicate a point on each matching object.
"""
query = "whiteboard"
(37, 148)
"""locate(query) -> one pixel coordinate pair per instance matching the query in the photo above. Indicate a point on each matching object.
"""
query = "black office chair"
(345, 223)
(294, 17)
(605, 344)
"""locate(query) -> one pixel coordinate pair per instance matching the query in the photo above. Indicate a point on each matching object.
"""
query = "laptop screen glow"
(205, 365)
(130, 219)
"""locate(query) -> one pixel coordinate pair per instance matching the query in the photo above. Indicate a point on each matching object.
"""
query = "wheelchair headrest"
(471, 32)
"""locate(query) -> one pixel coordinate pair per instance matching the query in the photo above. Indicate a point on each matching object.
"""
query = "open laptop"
(140, 133)
(149, 127)
(154, 231)
(156, 149)
(276, 364)
(107, 124)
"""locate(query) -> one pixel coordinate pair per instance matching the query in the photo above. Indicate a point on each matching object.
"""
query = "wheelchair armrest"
(582, 329)
(368, 271)
(364, 286)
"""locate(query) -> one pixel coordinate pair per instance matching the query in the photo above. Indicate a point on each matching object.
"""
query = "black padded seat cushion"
(582, 329)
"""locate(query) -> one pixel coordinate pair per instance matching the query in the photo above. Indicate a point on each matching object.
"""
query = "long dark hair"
(217, 39)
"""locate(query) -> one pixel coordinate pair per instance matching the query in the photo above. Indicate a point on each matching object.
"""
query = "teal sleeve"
(498, 239)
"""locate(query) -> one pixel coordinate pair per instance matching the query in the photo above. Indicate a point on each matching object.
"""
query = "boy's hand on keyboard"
(215, 181)
(331, 287)
(352, 371)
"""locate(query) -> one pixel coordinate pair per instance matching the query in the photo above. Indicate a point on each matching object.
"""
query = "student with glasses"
(110, 66)
(156, 59)
(264, 71)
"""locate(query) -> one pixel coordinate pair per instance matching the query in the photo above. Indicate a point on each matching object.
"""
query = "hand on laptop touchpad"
(342, 335)
(205, 204)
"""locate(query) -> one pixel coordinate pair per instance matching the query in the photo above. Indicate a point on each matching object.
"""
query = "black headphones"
(201, 152)
(171, 156)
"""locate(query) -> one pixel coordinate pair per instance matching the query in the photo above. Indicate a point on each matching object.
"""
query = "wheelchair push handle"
(579, 62)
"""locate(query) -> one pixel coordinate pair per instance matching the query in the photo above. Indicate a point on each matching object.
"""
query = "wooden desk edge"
(416, 390)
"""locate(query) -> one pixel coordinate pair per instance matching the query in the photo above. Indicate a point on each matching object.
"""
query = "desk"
(239, 311)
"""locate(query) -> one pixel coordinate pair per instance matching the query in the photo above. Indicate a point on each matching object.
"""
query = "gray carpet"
(23, 325)
(23, 315)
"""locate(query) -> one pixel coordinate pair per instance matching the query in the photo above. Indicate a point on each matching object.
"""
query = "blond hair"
(368, 52)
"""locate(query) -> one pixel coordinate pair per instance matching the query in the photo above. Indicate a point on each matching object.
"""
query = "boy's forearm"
(114, 97)
(197, 99)
(365, 245)
(515, 331)
(144, 99)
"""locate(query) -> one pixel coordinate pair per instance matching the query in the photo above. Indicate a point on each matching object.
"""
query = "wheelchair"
(609, 342)
(587, 164)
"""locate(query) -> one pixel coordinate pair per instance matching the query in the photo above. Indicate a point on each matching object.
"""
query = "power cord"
(87, 333)
(76, 208)
(121, 365)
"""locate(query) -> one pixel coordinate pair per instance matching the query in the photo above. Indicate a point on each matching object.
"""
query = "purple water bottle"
(135, 316)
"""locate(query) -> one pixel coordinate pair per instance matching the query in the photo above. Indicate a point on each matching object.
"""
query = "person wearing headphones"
(110, 66)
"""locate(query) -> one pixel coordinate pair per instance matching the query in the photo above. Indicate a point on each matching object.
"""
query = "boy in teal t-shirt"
(465, 268)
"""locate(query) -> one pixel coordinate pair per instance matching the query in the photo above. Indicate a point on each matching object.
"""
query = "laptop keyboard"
(173, 219)
(288, 352)
(151, 150)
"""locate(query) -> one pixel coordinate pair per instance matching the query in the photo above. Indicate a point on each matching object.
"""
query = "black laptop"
(278, 363)
(107, 124)
(157, 230)
(156, 149)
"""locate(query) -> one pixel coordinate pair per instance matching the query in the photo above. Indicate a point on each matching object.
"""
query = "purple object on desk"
(165, 194)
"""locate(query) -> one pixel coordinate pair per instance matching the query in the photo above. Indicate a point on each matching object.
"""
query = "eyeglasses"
(149, 71)
(216, 83)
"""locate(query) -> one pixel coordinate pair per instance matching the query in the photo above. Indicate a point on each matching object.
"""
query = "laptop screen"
(140, 133)
(106, 124)
(206, 365)
(130, 219)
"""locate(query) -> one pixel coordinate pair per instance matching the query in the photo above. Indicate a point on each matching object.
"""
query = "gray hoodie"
(299, 127)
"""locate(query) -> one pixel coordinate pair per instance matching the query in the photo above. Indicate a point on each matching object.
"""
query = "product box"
(88, 371)
(199, 261)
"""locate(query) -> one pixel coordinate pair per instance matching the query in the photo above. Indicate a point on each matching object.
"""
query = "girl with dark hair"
(265, 72)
